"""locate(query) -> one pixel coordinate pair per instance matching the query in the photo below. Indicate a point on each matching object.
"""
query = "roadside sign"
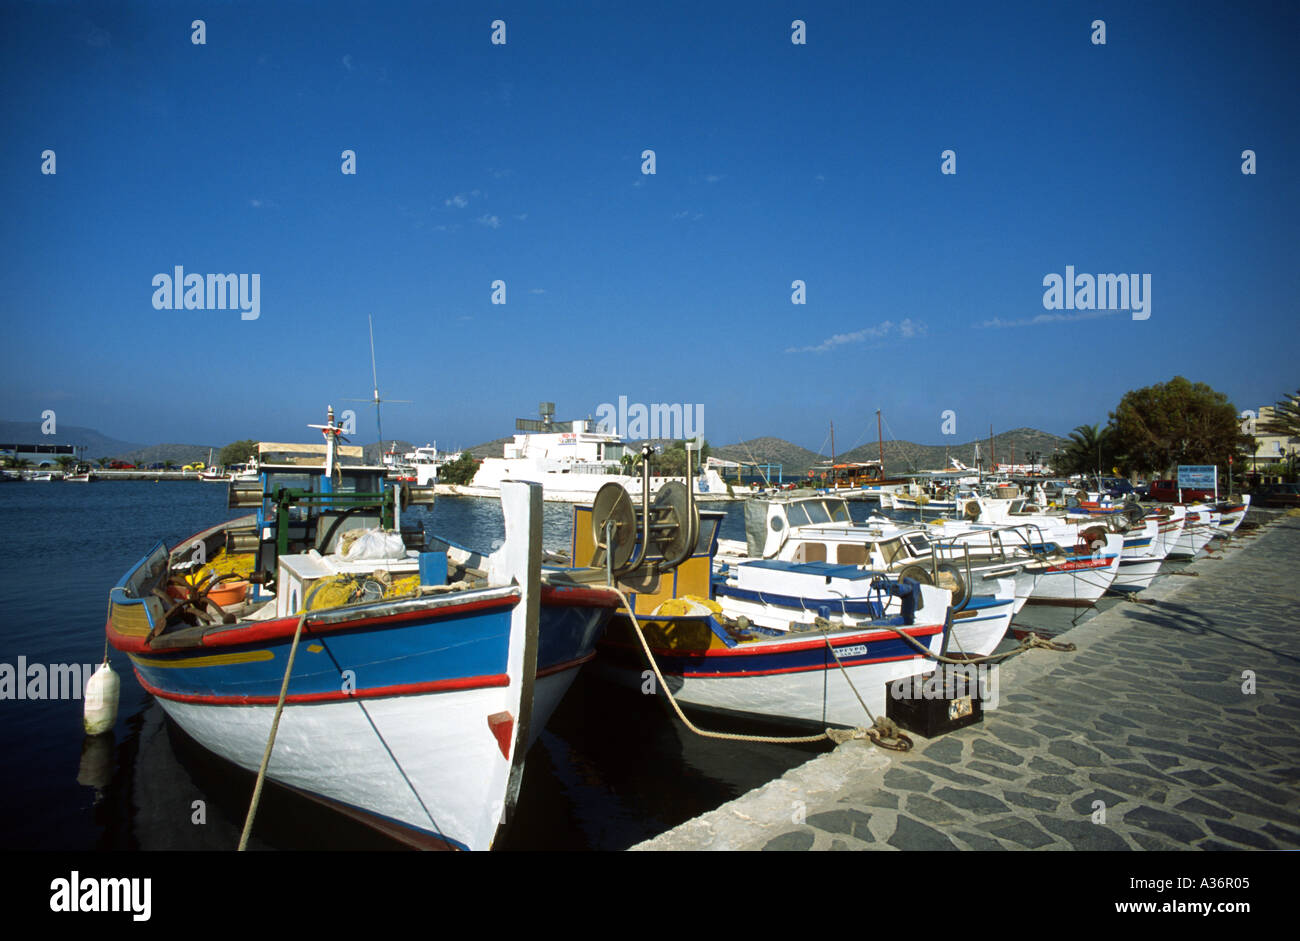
(1197, 477)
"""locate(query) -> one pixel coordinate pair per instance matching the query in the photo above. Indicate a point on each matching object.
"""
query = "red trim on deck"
(579, 597)
(265, 632)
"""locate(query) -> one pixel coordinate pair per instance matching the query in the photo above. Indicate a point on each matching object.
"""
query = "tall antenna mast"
(374, 375)
(375, 399)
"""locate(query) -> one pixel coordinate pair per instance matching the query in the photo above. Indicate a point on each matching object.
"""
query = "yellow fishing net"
(339, 590)
(224, 563)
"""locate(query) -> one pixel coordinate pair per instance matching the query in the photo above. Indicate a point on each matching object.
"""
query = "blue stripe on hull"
(427, 650)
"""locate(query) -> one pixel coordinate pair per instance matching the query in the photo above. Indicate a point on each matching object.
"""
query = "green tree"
(65, 461)
(1177, 422)
(102, 462)
(168, 465)
(237, 452)
(460, 471)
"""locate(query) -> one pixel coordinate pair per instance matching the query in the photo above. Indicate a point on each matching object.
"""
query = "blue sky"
(774, 162)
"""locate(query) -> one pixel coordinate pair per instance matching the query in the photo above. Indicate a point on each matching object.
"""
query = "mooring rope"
(882, 729)
(270, 742)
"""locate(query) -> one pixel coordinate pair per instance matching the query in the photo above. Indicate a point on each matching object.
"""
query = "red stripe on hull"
(809, 669)
(401, 689)
(873, 637)
(567, 665)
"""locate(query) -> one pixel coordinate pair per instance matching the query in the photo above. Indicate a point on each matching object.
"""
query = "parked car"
(1166, 491)
(1116, 487)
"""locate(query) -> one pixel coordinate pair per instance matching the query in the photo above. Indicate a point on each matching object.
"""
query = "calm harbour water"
(611, 769)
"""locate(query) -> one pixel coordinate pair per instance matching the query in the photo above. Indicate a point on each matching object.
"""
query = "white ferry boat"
(572, 465)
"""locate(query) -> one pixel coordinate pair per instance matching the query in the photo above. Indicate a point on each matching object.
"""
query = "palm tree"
(1286, 418)
(65, 461)
(102, 462)
(1090, 450)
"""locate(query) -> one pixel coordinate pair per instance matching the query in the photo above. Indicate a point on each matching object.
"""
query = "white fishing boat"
(421, 465)
(1144, 553)
(572, 465)
(417, 686)
(820, 529)
(81, 474)
(1198, 529)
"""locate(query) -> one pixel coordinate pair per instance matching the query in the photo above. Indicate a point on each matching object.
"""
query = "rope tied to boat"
(1031, 640)
(877, 733)
(270, 742)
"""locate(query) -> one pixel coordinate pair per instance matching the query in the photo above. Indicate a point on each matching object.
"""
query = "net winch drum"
(669, 528)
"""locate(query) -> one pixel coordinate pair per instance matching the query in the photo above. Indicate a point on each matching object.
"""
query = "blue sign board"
(1197, 477)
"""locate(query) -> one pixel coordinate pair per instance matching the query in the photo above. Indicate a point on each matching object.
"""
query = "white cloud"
(906, 329)
(491, 221)
(537, 290)
(1047, 318)
(347, 61)
(461, 200)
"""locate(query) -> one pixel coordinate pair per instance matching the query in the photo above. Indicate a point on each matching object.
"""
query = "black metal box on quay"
(931, 704)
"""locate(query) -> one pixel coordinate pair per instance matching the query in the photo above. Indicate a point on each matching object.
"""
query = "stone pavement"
(1144, 738)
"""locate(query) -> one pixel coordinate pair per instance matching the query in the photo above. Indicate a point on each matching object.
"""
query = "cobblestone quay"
(1148, 737)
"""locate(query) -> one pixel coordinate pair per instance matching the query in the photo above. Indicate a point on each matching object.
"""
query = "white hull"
(1136, 574)
(1083, 581)
(820, 696)
(1197, 532)
(349, 752)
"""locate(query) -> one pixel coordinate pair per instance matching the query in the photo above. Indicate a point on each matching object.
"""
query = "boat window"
(917, 544)
(810, 552)
(288, 482)
(707, 528)
(850, 554)
(797, 514)
(817, 512)
(839, 510)
(890, 550)
(358, 483)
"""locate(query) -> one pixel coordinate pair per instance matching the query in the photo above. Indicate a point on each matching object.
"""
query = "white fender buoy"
(101, 700)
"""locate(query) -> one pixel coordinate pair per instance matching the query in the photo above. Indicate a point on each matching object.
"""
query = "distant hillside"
(489, 448)
(902, 457)
(795, 460)
(95, 444)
